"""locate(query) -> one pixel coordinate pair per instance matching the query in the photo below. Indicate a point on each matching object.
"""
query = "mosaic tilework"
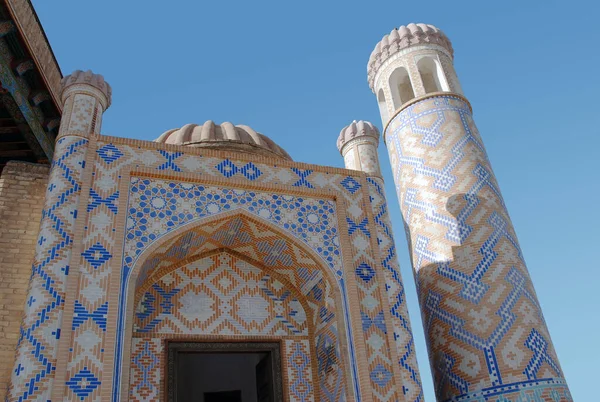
(299, 370)
(245, 235)
(381, 365)
(310, 220)
(35, 364)
(83, 109)
(145, 379)
(411, 381)
(106, 209)
(487, 337)
(220, 295)
(157, 206)
(369, 159)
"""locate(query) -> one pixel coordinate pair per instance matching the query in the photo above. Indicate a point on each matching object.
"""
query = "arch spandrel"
(159, 207)
(237, 231)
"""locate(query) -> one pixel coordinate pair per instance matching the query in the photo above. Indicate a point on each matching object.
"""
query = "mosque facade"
(211, 240)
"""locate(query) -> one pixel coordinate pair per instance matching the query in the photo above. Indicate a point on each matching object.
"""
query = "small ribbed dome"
(223, 137)
(87, 77)
(357, 129)
(401, 38)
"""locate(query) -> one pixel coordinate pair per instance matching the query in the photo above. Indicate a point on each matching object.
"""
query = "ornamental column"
(487, 339)
(358, 144)
(85, 96)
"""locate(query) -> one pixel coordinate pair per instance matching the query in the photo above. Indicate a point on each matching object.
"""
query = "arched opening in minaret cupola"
(432, 75)
(383, 110)
(401, 87)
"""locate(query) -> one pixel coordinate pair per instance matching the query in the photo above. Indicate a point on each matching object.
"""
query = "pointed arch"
(169, 246)
(269, 247)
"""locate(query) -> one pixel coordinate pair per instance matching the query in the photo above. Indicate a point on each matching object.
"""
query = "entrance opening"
(223, 372)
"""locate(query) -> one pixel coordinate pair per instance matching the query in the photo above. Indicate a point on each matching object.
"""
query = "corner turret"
(85, 97)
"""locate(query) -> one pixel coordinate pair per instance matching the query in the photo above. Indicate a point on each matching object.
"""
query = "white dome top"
(357, 129)
(401, 38)
(225, 136)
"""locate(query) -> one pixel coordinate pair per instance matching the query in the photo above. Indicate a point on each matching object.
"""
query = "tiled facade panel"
(147, 365)
(126, 213)
(22, 191)
(486, 333)
(81, 114)
(34, 370)
(300, 386)
(250, 240)
(412, 389)
(219, 297)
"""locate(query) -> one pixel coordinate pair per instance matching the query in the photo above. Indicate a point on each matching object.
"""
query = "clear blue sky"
(297, 72)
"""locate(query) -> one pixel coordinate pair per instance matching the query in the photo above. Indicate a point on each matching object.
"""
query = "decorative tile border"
(403, 337)
(36, 360)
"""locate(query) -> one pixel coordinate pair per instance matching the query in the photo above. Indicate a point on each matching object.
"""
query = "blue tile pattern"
(82, 315)
(39, 335)
(445, 183)
(96, 255)
(109, 153)
(83, 383)
(312, 220)
(411, 386)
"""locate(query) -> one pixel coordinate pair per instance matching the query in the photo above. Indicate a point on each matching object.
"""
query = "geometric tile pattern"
(312, 221)
(219, 295)
(487, 337)
(156, 205)
(83, 108)
(299, 370)
(145, 379)
(374, 325)
(302, 273)
(41, 329)
(152, 206)
(411, 381)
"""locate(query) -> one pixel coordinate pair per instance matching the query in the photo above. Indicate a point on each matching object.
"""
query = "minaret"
(487, 339)
(85, 97)
(358, 144)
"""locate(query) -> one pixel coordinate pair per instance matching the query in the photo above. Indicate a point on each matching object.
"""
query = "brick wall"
(22, 191)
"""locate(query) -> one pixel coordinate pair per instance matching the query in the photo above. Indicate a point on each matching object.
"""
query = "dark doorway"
(223, 396)
(223, 372)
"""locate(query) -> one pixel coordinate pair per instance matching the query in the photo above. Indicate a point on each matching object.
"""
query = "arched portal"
(238, 265)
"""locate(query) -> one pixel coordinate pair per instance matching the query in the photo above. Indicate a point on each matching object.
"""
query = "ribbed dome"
(87, 77)
(224, 137)
(357, 129)
(401, 38)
